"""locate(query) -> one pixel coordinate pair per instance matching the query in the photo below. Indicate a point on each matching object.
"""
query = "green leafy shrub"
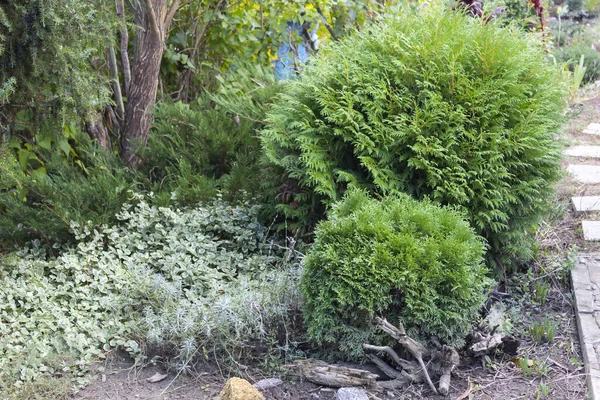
(571, 55)
(405, 260)
(41, 204)
(434, 104)
(195, 150)
(178, 282)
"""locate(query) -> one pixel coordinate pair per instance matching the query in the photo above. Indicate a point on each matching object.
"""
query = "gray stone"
(351, 393)
(585, 278)
(592, 129)
(583, 151)
(585, 173)
(268, 383)
(590, 330)
(591, 230)
(586, 203)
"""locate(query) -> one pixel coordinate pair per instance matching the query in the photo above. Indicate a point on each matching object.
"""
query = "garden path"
(586, 275)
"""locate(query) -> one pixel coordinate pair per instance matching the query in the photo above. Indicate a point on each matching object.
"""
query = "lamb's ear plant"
(183, 284)
(434, 104)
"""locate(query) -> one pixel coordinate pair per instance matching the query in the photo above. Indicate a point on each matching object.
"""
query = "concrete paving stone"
(594, 276)
(593, 386)
(591, 230)
(590, 330)
(592, 129)
(585, 173)
(585, 277)
(584, 302)
(580, 275)
(590, 357)
(586, 203)
(583, 151)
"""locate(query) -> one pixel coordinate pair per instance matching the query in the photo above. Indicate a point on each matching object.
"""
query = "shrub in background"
(42, 206)
(399, 258)
(570, 55)
(195, 150)
(434, 104)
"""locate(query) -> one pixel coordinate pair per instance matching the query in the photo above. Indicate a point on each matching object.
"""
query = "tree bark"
(154, 18)
(96, 130)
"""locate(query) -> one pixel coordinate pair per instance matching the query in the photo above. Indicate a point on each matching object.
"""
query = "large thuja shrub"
(435, 104)
(402, 259)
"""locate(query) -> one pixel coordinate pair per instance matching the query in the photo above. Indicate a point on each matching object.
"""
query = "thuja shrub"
(406, 260)
(434, 104)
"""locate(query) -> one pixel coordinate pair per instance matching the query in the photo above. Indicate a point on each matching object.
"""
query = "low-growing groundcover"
(185, 283)
(435, 104)
(402, 259)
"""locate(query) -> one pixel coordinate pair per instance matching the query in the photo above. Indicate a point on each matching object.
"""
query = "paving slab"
(592, 129)
(591, 230)
(585, 173)
(586, 203)
(583, 151)
(586, 281)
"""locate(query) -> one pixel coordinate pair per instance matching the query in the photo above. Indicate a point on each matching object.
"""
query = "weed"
(543, 331)
(543, 390)
(541, 290)
(525, 364)
(532, 367)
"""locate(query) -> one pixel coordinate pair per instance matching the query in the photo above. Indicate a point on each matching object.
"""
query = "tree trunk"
(153, 19)
(96, 130)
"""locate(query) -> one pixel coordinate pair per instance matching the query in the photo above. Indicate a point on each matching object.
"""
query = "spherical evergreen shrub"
(399, 258)
(435, 104)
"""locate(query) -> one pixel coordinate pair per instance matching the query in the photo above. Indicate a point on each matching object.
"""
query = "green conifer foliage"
(434, 104)
(48, 50)
(399, 258)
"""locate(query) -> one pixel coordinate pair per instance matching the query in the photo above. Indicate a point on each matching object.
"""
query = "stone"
(239, 389)
(157, 377)
(265, 384)
(591, 230)
(583, 151)
(590, 332)
(351, 393)
(592, 129)
(585, 173)
(586, 203)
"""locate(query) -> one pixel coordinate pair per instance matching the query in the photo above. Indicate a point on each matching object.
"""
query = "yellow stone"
(240, 389)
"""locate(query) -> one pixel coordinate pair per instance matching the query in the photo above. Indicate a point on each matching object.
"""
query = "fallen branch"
(416, 349)
(324, 374)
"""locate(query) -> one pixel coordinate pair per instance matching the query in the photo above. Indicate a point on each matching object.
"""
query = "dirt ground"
(499, 377)
(557, 368)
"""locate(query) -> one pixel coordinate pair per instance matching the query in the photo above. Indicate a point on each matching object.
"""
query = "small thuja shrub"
(406, 260)
(434, 104)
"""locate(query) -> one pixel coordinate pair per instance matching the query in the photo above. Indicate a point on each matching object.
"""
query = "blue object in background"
(284, 66)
